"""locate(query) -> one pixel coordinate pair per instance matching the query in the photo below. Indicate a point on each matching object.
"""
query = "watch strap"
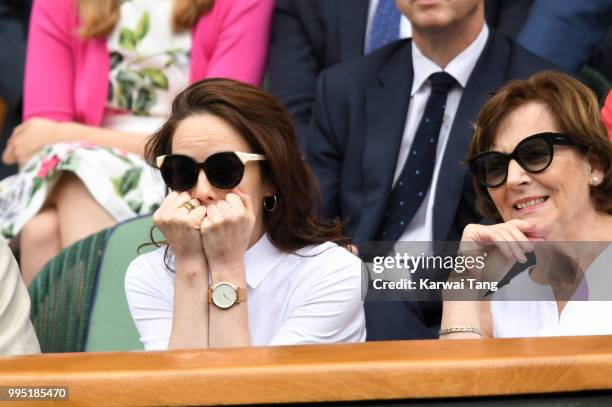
(242, 294)
(240, 297)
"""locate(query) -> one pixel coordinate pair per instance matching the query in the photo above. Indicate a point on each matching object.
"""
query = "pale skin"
(210, 241)
(567, 214)
(54, 227)
(442, 29)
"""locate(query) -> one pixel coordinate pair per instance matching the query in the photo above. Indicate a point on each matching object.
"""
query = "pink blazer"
(66, 78)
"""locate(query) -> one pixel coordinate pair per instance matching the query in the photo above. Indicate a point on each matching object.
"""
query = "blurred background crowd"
(384, 98)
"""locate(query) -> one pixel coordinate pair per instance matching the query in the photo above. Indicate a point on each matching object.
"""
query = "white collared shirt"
(405, 27)
(460, 67)
(313, 297)
(525, 308)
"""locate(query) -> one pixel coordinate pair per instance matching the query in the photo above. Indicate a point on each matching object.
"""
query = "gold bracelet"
(456, 329)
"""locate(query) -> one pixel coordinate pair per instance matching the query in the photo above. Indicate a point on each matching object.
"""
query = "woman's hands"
(226, 232)
(509, 238)
(219, 232)
(181, 226)
(28, 138)
(504, 244)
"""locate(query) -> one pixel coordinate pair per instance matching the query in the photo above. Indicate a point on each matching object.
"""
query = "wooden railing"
(322, 373)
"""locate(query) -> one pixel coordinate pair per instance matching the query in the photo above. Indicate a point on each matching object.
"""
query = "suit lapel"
(488, 75)
(386, 108)
(352, 23)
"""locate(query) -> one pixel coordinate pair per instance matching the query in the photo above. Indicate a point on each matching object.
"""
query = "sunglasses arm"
(246, 157)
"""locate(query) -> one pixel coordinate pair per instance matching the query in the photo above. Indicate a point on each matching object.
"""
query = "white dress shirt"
(524, 308)
(405, 27)
(313, 297)
(460, 68)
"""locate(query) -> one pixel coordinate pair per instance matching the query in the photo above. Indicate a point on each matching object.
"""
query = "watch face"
(224, 295)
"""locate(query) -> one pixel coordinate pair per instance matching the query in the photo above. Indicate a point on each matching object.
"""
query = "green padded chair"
(110, 326)
(78, 299)
(61, 295)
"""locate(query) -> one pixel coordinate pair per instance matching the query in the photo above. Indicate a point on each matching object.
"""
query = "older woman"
(246, 262)
(541, 158)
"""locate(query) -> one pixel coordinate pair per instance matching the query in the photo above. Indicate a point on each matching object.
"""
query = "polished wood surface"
(371, 371)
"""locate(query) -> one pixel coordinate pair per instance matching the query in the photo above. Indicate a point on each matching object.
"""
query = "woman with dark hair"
(246, 262)
(542, 164)
(99, 80)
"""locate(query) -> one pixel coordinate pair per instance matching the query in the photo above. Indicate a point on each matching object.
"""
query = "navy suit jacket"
(309, 36)
(358, 123)
(565, 32)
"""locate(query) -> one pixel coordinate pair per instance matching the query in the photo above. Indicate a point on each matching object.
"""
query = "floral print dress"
(149, 66)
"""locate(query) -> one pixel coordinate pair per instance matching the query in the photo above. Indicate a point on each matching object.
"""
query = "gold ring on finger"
(188, 205)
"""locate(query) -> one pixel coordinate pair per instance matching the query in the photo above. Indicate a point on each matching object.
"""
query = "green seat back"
(596, 81)
(111, 327)
(61, 295)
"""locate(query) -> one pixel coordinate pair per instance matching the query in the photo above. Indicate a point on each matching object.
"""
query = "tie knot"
(441, 82)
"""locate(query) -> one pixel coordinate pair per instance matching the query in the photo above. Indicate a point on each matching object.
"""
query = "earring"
(595, 180)
(270, 207)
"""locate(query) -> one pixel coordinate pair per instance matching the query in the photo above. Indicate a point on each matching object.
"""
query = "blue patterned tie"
(414, 181)
(385, 26)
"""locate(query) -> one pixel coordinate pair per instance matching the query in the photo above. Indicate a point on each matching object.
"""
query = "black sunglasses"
(223, 170)
(534, 154)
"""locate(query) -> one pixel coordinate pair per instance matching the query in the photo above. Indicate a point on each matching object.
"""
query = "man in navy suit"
(369, 111)
(309, 36)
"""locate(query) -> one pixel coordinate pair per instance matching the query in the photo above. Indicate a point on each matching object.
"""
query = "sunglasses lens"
(490, 169)
(224, 170)
(179, 172)
(534, 155)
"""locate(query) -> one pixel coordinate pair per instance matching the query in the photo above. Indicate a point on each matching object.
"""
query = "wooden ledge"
(370, 371)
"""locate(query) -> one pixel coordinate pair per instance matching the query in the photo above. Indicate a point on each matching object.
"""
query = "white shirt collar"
(260, 259)
(459, 67)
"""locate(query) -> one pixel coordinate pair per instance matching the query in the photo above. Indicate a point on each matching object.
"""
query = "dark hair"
(268, 129)
(575, 111)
